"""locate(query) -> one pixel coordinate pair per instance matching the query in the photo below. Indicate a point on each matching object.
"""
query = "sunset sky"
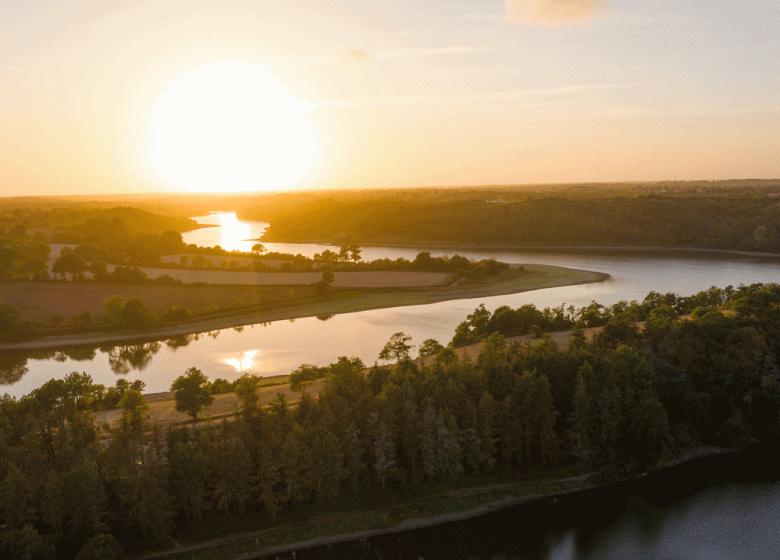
(114, 96)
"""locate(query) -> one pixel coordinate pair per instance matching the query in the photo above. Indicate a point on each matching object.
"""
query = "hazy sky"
(133, 95)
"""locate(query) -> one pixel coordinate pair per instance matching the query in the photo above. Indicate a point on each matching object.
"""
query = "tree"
(34, 268)
(397, 348)
(258, 249)
(100, 547)
(112, 312)
(246, 391)
(430, 347)
(192, 392)
(327, 279)
(9, 319)
(136, 315)
(234, 477)
(135, 415)
(99, 271)
(349, 252)
(384, 451)
(354, 253)
(303, 376)
(69, 263)
(328, 462)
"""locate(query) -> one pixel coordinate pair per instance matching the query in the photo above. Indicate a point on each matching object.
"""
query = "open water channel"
(711, 509)
(279, 347)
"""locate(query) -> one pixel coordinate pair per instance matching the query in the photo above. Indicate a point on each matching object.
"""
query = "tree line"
(649, 385)
(712, 219)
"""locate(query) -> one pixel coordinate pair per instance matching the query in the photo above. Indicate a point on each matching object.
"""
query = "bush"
(176, 314)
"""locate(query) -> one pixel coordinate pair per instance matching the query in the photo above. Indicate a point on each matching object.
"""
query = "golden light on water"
(243, 364)
(234, 233)
(229, 126)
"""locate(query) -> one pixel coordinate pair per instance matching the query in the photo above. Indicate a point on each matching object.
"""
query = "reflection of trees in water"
(81, 353)
(180, 341)
(123, 359)
(77, 353)
(13, 366)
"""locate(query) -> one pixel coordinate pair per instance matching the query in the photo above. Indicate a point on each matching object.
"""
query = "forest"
(724, 215)
(662, 376)
(667, 215)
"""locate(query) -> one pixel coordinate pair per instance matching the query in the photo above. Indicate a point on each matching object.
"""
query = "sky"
(132, 96)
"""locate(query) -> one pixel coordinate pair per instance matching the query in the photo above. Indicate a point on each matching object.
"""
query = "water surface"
(717, 508)
(280, 347)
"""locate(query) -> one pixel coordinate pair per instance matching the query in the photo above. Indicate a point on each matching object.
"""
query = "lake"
(709, 509)
(725, 507)
(279, 347)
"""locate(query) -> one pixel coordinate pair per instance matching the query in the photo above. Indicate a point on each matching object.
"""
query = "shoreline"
(545, 276)
(539, 248)
(415, 523)
(479, 510)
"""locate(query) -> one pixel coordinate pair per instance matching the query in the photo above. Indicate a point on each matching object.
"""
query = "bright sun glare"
(229, 126)
(245, 363)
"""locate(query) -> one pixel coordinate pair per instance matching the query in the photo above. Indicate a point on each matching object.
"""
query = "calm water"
(719, 508)
(279, 347)
(706, 511)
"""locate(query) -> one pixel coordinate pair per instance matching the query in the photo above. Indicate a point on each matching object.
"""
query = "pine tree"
(384, 451)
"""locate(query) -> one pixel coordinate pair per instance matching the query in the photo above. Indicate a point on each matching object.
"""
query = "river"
(703, 511)
(725, 507)
(279, 347)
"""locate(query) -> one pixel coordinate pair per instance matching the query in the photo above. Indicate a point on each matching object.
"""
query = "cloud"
(553, 13)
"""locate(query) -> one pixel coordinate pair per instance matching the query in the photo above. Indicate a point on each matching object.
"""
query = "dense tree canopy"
(664, 374)
(665, 215)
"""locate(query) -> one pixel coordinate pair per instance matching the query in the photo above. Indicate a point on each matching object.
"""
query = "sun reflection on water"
(243, 364)
(234, 233)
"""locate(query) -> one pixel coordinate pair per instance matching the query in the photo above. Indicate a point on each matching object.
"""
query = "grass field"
(38, 301)
(269, 303)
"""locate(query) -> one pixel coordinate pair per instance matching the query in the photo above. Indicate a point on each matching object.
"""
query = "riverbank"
(453, 506)
(532, 277)
(624, 250)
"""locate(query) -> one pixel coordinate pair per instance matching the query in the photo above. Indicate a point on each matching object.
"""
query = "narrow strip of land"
(531, 277)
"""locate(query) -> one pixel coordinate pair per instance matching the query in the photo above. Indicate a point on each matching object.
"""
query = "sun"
(229, 126)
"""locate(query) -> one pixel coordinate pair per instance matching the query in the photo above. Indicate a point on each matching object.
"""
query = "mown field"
(39, 301)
